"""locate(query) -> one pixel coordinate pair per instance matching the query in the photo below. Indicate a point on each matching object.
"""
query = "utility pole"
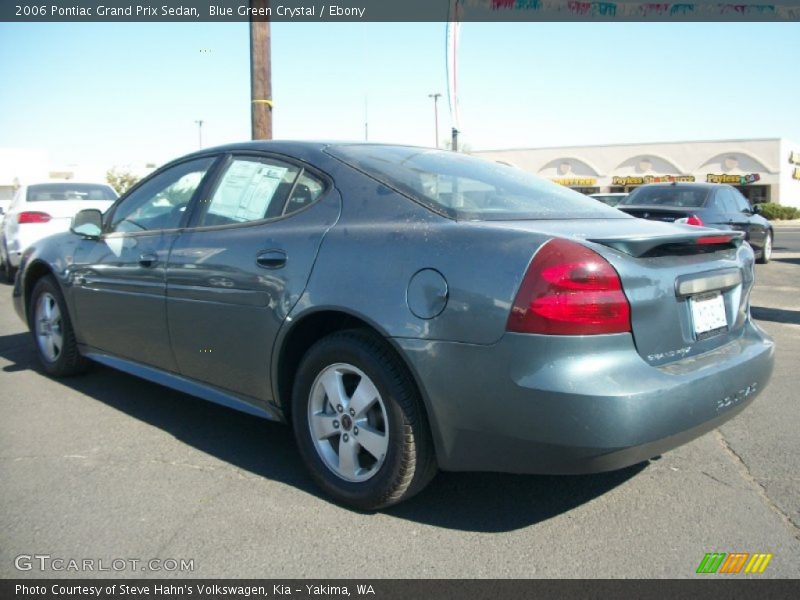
(199, 133)
(436, 115)
(260, 72)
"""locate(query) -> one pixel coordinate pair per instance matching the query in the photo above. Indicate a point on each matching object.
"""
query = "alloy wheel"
(49, 328)
(348, 422)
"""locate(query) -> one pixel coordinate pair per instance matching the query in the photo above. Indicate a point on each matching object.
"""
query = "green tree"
(121, 180)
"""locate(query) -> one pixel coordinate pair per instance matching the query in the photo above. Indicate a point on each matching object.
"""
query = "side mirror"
(756, 209)
(87, 223)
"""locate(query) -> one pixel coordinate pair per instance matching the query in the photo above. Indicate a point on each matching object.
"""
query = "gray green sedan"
(405, 310)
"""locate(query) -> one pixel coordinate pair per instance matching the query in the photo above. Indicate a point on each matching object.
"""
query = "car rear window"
(666, 196)
(43, 192)
(470, 188)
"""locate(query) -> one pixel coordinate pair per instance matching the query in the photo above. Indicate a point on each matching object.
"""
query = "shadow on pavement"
(787, 259)
(484, 502)
(776, 315)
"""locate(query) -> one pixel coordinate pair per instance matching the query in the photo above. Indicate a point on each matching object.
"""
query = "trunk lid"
(656, 213)
(64, 209)
(688, 287)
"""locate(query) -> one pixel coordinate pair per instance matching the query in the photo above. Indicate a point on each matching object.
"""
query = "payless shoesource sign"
(733, 179)
(627, 180)
(575, 181)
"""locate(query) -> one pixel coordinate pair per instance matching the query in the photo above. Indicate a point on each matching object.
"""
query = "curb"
(785, 223)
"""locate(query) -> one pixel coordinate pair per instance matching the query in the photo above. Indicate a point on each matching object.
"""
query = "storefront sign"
(794, 158)
(652, 179)
(576, 181)
(733, 179)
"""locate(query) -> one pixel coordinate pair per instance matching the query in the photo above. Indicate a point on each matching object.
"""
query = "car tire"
(349, 380)
(52, 331)
(7, 271)
(766, 251)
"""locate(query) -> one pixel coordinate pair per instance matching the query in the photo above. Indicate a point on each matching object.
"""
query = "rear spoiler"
(678, 243)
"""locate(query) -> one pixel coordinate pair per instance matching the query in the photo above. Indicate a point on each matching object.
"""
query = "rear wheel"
(766, 251)
(52, 330)
(7, 271)
(359, 422)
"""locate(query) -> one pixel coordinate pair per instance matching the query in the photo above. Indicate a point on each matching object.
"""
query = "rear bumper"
(562, 404)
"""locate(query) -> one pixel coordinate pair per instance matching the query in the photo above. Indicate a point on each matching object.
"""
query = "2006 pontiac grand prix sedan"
(406, 309)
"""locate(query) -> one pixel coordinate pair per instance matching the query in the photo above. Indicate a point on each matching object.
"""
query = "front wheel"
(7, 271)
(766, 250)
(359, 422)
(52, 330)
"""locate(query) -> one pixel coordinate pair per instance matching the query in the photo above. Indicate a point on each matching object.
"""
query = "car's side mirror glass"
(756, 209)
(88, 223)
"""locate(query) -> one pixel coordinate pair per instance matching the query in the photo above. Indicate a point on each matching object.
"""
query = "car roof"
(312, 151)
(683, 185)
(287, 146)
(66, 182)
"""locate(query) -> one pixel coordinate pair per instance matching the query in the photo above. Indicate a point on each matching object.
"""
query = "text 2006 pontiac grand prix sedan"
(406, 309)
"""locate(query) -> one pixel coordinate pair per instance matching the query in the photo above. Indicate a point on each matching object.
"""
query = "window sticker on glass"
(246, 190)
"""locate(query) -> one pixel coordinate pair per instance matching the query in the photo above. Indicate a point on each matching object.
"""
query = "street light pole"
(436, 114)
(199, 133)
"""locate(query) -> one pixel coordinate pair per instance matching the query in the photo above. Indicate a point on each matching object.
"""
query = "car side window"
(161, 202)
(740, 201)
(250, 189)
(724, 201)
(306, 191)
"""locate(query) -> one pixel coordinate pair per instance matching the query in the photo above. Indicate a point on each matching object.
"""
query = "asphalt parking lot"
(106, 466)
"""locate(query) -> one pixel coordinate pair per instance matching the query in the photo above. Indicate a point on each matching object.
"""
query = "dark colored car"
(703, 204)
(406, 310)
(610, 198)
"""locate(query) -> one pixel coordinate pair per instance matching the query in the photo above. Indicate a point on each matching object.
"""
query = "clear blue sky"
(120, 93)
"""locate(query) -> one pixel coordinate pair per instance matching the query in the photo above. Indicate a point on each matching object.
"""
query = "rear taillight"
(32, 217)
(714, 240)
(570, 290)
(691, 220)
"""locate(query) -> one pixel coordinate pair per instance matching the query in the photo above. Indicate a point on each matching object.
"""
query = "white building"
(20, 166)
(764, 170)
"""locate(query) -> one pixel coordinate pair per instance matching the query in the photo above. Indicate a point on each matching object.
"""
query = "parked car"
(610, 198)
(42, 209)
(712, 205)
(405, 309)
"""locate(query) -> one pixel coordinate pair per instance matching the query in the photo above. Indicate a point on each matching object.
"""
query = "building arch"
(645, 164)
(742, 162)
(568, 166)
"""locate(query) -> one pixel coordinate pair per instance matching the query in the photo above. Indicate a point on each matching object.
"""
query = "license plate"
(708, 314)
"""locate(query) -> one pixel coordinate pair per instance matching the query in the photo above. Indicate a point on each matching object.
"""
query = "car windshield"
(42, 192)
(608, 199)
(666, 196)
(470, 188)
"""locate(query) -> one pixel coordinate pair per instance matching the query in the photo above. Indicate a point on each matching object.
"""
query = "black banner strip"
(334, 11)
(711, 587)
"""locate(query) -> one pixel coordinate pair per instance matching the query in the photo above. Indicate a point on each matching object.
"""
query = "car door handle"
(147, 260)
(271, 259)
